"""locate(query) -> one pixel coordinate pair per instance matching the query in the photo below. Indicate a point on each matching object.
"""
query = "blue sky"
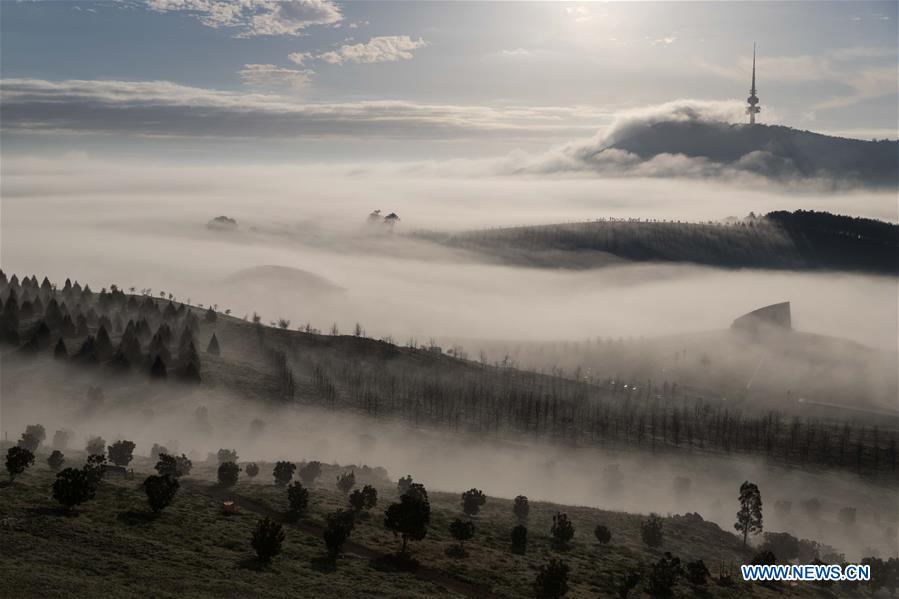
(327, 79)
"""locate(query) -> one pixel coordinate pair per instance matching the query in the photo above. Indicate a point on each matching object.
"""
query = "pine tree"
(749, 518)
(213, 347)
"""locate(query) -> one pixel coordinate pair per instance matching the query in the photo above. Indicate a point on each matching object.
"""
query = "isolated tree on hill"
(17, 460)
(749, 518)
(462, 530)
(96, 446)
(268, 536)
(651, 531)
(519, 539)
(213, 347)
(552, 580)
(211, 316)
(340, 525)
(160, 491)
(226, 455)
(346, 481)
(60, 352)
(158, 370)
(472, 500)
(228, 474)
(562, 530)
(55, 460)
(521, 508)
(663, 576)
(298, 499)
(310, 471)
(121, 453)
(603, 534)
(283, 472)
(251, 469)
(74, 486)
(409, 518)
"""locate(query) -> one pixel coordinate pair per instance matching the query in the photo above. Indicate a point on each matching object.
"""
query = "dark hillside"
(167, 344)
(772, 150)
(800, 240)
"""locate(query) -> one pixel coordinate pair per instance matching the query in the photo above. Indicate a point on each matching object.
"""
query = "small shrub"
(651, 531)
(121, 453)
(74, 486)
(663, 576)
(627, 584)
(309, 472)
(603, 534)
(462, 530)
(552, 580)
(346, 481)
(268, 536)
(519, 540)
(697, 573)
(283, 472)
(251, 469)
(764, 558)
(174, 466)
(17, 460)
(298, 499)
(562, 530)
(340, 525)
(472, 500)
(160, 491)
(56, 460)
(228, 473)
(521, 508)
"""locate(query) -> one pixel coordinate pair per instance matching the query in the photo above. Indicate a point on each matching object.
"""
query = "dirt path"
(350, 547)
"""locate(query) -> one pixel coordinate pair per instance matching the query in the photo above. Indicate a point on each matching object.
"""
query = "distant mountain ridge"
(771, 150)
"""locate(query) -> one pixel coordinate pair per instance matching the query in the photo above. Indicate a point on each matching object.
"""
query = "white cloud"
(269, 75)
(300, 57)
(256, 17)
(170, 109)
(389, 48)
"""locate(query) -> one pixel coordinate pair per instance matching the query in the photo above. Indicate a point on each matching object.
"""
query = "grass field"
(113, 547)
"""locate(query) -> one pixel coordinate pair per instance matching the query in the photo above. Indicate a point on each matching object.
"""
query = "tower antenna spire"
(753, 100)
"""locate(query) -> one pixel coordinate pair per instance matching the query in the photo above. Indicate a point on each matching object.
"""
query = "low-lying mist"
(201, 422)
(144, 226)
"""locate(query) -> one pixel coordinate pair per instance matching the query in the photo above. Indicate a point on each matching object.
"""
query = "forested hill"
(801, 240)
(772, 150)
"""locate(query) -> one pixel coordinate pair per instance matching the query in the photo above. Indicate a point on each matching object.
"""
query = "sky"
(320, 80)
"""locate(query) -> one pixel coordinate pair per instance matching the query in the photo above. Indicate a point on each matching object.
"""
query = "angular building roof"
(775, 315)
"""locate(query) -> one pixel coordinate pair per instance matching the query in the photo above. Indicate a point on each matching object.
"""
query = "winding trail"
(351, 547)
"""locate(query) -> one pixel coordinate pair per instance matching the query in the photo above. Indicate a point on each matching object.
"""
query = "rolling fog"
(442, 461)
(143, 226)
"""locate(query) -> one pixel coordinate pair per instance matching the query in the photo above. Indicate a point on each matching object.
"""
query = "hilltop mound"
(284, 279)
(770, 150)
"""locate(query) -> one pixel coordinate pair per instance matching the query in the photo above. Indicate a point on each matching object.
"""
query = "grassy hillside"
(781, 240)
(114, 547)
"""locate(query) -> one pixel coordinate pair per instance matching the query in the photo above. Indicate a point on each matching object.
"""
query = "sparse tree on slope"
(749, 518)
